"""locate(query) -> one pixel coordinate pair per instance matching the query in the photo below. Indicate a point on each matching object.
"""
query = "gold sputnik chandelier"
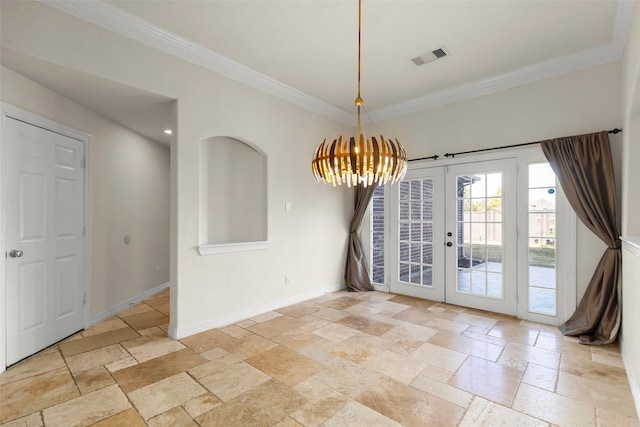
(359, 160)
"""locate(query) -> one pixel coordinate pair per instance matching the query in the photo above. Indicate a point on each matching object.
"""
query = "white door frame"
(567, 232)
(13, 112)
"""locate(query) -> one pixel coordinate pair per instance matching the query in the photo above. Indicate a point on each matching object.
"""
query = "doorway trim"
(9, 111)
(567, 221)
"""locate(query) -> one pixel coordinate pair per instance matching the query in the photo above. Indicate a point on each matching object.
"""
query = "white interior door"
(417, 235)
(44, 237)
(481, 235)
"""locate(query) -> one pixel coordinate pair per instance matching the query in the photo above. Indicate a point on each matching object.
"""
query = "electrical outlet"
(287, 279)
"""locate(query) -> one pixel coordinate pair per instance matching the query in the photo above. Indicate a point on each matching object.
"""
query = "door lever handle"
(16, 253)
(449, 244)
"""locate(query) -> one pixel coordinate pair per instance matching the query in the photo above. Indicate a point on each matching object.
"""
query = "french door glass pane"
(479, 234)
(542, 239)
(415, 232)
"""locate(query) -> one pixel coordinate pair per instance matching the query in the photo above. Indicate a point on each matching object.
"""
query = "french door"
(453, 235)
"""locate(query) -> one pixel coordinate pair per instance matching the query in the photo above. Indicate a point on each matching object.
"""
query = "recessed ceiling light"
(168, 131)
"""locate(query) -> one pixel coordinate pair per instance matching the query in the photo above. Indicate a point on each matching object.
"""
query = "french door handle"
(16, 253)
(449, 244)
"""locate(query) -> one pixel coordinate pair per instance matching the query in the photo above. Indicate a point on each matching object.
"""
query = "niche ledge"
(225, 248)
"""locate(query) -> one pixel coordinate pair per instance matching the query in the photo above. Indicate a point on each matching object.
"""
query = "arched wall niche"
(233, 196)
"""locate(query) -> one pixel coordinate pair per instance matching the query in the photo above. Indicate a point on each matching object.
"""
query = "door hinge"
(84, 298)
(83, 163)
(84, 230)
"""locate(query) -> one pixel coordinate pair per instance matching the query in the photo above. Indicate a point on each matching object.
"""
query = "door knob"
(16, 253)
(449, 244)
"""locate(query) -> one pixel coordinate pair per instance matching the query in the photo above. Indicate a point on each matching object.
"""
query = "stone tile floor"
(370, 359)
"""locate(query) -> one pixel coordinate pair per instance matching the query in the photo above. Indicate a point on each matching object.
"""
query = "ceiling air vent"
(438, 53)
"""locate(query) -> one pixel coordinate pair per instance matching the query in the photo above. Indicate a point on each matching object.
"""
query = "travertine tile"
(249, 346)
(466, 345)
(153, 370)
(135, 309)
(447, 325)
(364, 324)
(411, 301)
(444, 391)
(414, 315)
(390, 306)
(356, 414)
(226, 375)
(128, 418)
(322, 403)
(588, 369)
(361, 347)
(483, 413)
(93, 342)
(320, 355)
(521, 333)
(201, 404)
(300, 310)
(264, 405)
(439, 356)
(312, 325)
(88, 409)
(343, 302)
(296, 338)
(106, 326)
(540, 377)
(33, 420)
(405, 346)
(154, 349)
(602, 396)
(409, 406)
(330, 314)
(276, 326)
(347, 378)
(488, 379)
(207, 340)
(335, 333)
(553, 408)
(35, 365)
(606, 418)
(362, 310)
(121, 364)
(266, 316)
(409, 330)
(396, 366)
(93, 379)
(173, 417)
(146, 319)
(475, 320)
(607, 354)
(530, 354)
(34, 393)
(285, 365)
(288, 422)
(163, 395)
(94, 358)
(236, 331)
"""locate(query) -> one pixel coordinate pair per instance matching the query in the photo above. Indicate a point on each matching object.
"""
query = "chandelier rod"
(359, 99)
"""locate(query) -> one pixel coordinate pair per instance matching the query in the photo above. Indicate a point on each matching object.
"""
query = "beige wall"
(631, 205)
(571, 104)
(129, 190)
(308, 243)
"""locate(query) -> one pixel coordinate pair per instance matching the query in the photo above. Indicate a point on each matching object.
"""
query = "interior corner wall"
(129, 192)
(571, 104)
(307, 243)
(630, 333)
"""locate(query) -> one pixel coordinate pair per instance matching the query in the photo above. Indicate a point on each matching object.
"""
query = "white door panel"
(417, 235)
(481, 250)
(44, 220)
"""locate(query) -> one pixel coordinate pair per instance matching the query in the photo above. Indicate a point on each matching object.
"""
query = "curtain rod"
(435, 157)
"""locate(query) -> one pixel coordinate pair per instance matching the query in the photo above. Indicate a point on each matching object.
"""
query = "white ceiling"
(307, 49)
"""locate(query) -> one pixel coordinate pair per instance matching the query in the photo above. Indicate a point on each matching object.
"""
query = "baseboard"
(216, 322)
(100, 317)
(634, 379)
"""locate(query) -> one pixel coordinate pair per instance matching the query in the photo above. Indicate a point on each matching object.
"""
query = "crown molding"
(117, 20)
(542, 70)
(120, 22)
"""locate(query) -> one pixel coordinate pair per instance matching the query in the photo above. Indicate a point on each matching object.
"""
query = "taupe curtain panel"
(356, 274)
(585, 171)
